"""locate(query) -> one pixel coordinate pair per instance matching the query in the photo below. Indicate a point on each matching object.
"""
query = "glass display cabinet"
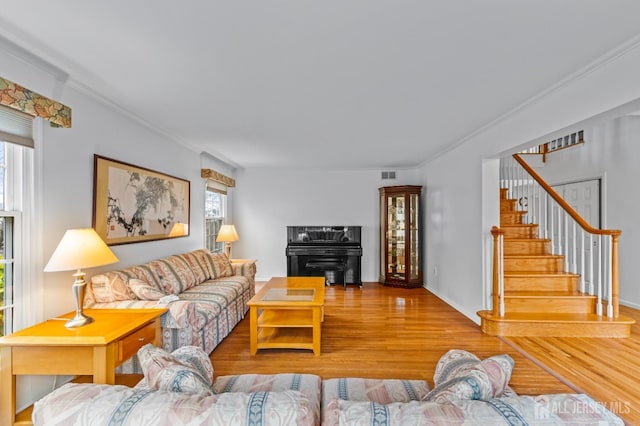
(400, 236)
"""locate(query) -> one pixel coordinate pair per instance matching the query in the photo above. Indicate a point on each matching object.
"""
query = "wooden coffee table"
(287, 313)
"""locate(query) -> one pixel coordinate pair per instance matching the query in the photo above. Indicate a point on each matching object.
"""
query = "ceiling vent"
(388, 175)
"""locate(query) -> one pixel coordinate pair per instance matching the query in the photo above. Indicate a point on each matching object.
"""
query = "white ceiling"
(319, 83)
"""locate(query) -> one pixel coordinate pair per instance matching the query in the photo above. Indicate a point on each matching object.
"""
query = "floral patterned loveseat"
(206, 295)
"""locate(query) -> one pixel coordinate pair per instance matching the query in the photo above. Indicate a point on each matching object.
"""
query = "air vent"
(388, 175)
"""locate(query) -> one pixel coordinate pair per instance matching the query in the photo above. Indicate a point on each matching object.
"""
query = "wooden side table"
(96, 349)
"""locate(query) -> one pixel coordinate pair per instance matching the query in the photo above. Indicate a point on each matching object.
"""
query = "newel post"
(614, 275)
(495, 232)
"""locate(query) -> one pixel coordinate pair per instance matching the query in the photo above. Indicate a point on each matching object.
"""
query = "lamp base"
(78, 321)
(78, 288)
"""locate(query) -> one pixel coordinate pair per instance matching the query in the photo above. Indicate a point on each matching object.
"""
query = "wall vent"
(388, 175)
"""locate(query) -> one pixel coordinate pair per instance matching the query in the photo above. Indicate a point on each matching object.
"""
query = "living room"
(460, 199)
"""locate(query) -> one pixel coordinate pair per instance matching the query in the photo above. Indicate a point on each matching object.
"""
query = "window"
(17, 223)
(215, 212)
(6, 275)
(215, 206)
(7, 222)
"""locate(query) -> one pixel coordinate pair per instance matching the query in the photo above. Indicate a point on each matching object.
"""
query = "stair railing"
(588, 251)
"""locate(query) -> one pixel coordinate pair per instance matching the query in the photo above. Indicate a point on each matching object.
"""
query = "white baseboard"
(473, 316)
(629, 304)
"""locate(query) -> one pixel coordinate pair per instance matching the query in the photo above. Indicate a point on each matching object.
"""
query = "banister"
(613, 234)
(566, 206)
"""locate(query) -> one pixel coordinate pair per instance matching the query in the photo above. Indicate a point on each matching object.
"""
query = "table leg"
(104, 364)
(7, 388)
(317, 324)
(253, 330)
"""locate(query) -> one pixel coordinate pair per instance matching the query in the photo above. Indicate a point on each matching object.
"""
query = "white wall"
(455, 229)
(611, 151)
(267, 201)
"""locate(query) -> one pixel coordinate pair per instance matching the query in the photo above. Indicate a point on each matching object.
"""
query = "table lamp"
(227, 234)
(78, 249)
(179, 230)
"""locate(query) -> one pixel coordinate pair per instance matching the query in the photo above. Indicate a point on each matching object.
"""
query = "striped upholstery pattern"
(207, 310)
(93, 404)
(379, 391)
(308, 384)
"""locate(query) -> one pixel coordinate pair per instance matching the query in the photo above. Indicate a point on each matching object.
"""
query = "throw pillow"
(110, 287)
(451, 362)
(461, 377)
(164, 371)
(221, 265)
(144, 291)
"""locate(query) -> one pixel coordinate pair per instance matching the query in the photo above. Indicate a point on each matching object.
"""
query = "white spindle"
(546, 218)
(559, 225)
(610, 277)
(554, 241)
(599, 293)
(574, 264)
(591, 260)
(529, 201)
(566, 240)
(501, 273)
(583, 258)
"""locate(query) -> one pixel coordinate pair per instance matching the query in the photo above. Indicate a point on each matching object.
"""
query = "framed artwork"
(133, 204)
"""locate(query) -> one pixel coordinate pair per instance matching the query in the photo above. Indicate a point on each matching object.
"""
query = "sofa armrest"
(246, 268)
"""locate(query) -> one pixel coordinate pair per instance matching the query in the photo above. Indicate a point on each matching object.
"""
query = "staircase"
(539, 297)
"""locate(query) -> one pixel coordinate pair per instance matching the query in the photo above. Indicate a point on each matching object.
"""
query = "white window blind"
(218, 187)
(16, 126)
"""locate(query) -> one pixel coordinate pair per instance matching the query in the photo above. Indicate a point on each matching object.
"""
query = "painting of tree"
(137, 204)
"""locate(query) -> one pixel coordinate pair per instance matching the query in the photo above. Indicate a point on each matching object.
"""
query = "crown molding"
(610, 57)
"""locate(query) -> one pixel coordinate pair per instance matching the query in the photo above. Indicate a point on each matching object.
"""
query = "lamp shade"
(227, 234)
(79, 249)
(179, 229)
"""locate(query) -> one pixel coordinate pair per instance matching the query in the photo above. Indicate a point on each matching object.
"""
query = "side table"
(95, 349)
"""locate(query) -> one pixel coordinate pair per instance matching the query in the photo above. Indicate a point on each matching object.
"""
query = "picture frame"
(134, 204)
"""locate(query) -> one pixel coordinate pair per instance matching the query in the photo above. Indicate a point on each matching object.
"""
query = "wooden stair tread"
(546, 317)
(525, 240)
(547, 294)
(537, 256)
(538, 274)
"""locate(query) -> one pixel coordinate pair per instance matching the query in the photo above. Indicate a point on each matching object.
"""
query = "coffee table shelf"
(285, 318)
(285, 338)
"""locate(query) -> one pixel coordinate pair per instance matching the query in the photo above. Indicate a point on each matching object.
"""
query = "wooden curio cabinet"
(400, 236)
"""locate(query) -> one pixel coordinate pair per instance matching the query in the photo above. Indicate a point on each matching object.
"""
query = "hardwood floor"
(383, 332)
(606, 369)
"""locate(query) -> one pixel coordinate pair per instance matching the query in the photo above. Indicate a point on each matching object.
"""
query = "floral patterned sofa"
(206, 295)
(178, 389)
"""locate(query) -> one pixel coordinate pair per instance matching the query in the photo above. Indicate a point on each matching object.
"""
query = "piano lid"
(324, 235)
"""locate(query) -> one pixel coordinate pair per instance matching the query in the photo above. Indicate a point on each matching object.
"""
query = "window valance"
(218, 177)
(17, 97)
